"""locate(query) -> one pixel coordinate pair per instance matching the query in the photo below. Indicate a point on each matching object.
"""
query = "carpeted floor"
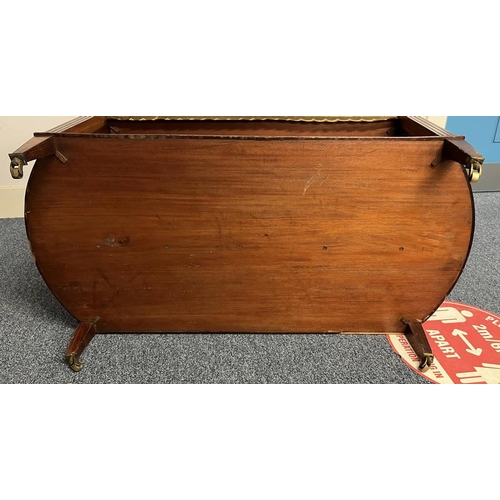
(35, 331)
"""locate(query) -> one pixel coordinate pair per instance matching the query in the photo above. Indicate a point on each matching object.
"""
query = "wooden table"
(265, 224)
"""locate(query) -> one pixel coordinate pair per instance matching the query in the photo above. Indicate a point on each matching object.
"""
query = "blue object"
(481, 132)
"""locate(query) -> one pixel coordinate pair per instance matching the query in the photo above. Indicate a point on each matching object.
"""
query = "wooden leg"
(416, 337)
(84, 333)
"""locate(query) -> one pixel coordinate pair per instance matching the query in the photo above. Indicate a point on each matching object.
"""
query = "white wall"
(438, 120)
(16, 130)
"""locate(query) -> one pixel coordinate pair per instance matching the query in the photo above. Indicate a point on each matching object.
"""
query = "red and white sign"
(465, 342)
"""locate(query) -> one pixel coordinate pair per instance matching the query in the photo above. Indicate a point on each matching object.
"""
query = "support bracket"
(462, 152)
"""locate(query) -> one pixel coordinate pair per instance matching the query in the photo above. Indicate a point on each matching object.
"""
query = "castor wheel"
(74, 363)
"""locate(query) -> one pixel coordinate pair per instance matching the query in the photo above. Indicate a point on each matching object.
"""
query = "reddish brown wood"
(84, 333)
(416, 125)
(419, 342)
(82, 124)
(460, 151)
(230, 235)
(35, 148)
(256, 128)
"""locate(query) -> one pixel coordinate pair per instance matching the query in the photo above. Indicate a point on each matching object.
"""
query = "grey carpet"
(35, 331)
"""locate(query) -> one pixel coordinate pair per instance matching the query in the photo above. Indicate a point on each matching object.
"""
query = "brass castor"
(426, 362)
(74, 363)
(84, 333)
(415, 335)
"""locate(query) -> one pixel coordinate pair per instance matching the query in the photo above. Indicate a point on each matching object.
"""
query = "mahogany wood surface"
(459, 151)
(81, 124)
(418, 126)
(84, 333)
(36, 148)
(227, 235)
(255, 128)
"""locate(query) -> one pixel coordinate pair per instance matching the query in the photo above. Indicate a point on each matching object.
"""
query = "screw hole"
(325, 248)
(401, 249)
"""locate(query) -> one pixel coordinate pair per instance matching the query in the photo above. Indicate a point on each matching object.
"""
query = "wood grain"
(36, 148)
(219, 235)
(255, 128)
(81, 124)
(419, 126)
(84, 333)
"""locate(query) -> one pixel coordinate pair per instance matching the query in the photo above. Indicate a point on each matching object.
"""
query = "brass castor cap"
(476, 170)
(74, 363)
(426, 362)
